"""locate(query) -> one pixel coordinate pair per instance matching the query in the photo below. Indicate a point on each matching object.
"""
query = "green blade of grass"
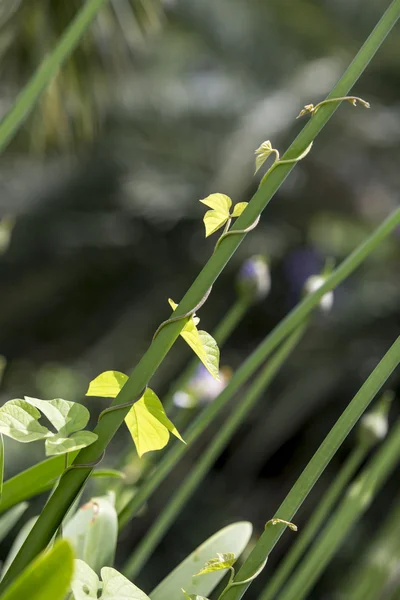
(208, 457)
(315, 468)
(318, 517)
(27, 98)
(359, 497)
(73, 480)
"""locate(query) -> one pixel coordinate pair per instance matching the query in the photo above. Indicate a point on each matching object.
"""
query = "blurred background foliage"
(163, 103)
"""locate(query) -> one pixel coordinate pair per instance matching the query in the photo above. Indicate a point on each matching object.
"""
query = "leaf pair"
(202, 344)
(147, 421)
(19, 419)
(219, 214)
(85, 584)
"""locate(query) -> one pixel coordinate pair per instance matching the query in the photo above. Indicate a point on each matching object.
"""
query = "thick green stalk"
(26, 100)
(74, 479)
(315, 468)
(319, 516)
(254, 361)
(353, 506)
(208, 457)
(222, 332)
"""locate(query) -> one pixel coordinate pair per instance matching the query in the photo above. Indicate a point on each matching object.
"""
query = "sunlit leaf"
(48, 576)
(239, 208)
(222, 561)
(262, 153)
(107, 384)
(218, 216)
(148, 424)
(59, 444)
(67, 417)
(85, 584)
(19, 420)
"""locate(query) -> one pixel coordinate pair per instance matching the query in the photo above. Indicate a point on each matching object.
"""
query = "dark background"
(162, 105)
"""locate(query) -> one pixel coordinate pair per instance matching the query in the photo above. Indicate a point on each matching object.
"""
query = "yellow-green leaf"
(262, 153)
(107, 384)
(148, 424)
(239, 208)
(221, 562)
(218, 216)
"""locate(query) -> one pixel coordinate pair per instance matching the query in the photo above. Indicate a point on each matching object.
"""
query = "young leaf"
(59, 444)
(48, 576)
(148, 424)
(85, 584)
(19, 421)
(262, 153)
(202, 344)
(107, 384)
(239, 208)
(221, 562)
(218, 216)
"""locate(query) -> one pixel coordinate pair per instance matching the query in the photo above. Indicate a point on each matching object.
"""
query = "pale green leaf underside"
(58, 444)
(148, 424)
(115, 586)
(67, 417)
(19, 420)
(215, 218)
(107, 384)
(221, 562)
(239, 208)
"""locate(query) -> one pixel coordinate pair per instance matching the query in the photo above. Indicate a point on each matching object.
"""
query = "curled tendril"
(231, 583)
(285, 161)
(310, 109)
(185, 315)
(292, 526)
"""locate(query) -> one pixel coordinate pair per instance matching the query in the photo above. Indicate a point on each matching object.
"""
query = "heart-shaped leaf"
(262, 153)
(218, 216)
(148, 424)
(67, 417)
(107, 384)
(19, 420)
(85, 584)
(239, 208)
(202, 344)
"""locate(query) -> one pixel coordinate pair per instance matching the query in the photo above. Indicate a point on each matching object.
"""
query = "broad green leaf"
(218, 216)
(11, 518)
(85, 584)
(262, 153)
(239, 208)
(148, 424)
(1, 463)
(58, 444)
(220, 563)
(67, 417)
(107, 384)
(202, 344)
(93, 531)
(233, 538)
(19, 421)
(47, 577)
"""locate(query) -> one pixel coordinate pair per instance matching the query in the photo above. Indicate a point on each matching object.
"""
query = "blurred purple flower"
(202, 388)
(254, 278)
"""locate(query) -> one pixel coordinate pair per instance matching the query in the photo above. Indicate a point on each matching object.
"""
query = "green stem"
(213, 450)
(74, 479)
(317, 465)
(254, 361)
(319, 516)
(353, 506)
(27, 98)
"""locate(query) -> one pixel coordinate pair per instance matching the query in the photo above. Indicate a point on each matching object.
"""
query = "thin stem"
(203, 464)
(353, 506)
(74, 479)
(319, 516)
(317, 465)
(27, 98)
